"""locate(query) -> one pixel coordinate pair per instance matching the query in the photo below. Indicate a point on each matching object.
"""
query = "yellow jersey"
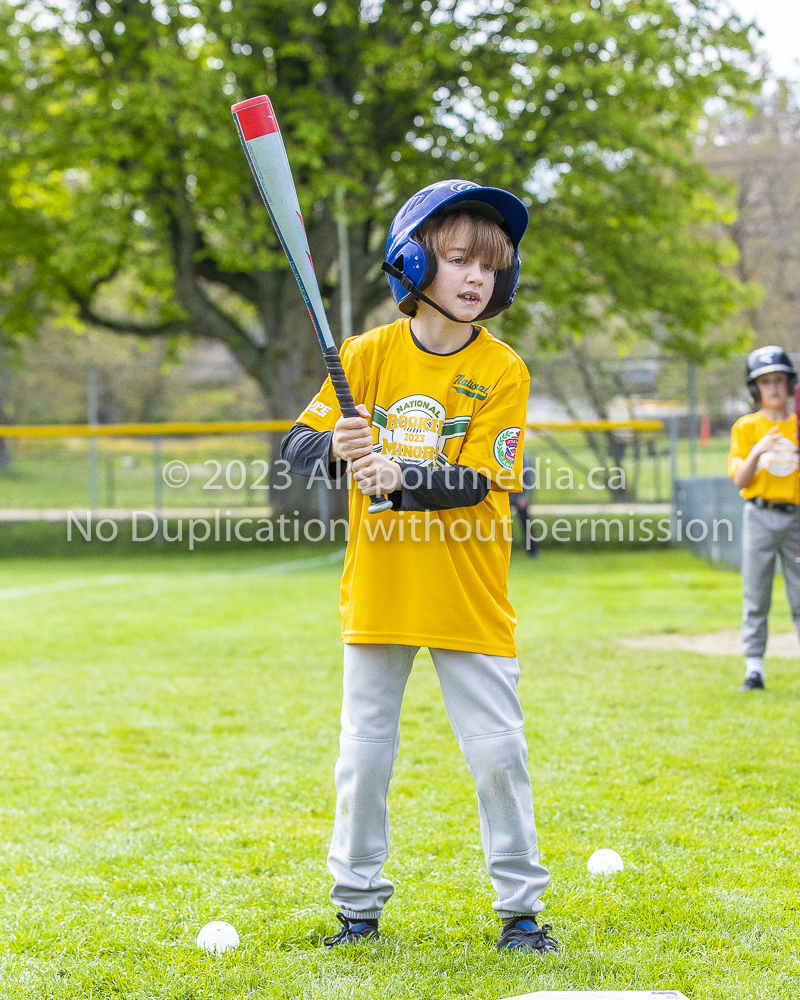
(437, 578)
(776, 477)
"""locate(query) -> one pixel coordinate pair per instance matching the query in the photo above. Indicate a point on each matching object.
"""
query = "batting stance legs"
(480, 696)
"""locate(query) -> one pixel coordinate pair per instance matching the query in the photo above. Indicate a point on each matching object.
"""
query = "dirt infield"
(782, 646)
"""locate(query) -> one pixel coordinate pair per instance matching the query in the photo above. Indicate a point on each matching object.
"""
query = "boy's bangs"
(486, 242)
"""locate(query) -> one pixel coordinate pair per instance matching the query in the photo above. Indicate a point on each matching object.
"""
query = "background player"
(764, 465)
(448, 405)
(521, 503)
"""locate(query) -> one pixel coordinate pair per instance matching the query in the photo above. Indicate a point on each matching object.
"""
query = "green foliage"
(167, 745)
(129, 203)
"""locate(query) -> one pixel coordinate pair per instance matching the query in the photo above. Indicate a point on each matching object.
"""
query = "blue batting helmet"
(418, 263)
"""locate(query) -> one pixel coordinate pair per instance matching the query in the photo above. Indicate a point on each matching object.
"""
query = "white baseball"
(218, 936)
(604, 862)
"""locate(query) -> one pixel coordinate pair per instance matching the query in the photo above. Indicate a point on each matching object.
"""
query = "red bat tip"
(255, 116)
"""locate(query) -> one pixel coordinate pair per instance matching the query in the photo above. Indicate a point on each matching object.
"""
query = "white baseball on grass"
(604, 862)
(218, 936)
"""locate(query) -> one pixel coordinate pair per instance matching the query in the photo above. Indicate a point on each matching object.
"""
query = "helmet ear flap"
(431, 266)
(418, 264)
(505, 282)
(408, 304)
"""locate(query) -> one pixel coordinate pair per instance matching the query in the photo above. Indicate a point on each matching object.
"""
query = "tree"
(128, 202)
(761, 154)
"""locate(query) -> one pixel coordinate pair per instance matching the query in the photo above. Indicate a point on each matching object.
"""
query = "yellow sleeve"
(493, 443)
(323, 411)
(740, 447)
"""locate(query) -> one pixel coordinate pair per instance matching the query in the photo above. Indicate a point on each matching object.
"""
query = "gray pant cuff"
(511, 914)
(361, 914)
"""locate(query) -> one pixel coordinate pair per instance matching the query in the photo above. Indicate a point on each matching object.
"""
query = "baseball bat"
(263, 146)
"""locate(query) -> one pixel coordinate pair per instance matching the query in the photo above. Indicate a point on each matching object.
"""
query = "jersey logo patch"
(505, 447)
(414, 430)
(409, 429)
(780, 460)
(467, 387)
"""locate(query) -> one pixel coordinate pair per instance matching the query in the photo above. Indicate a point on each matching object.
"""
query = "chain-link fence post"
(692, 418)
(158, 490)
(94, 464)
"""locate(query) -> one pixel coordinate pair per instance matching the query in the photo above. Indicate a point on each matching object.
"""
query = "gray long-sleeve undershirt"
(308, 453)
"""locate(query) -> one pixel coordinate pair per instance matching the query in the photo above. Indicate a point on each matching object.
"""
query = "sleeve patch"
(319, 408)
(505, 447)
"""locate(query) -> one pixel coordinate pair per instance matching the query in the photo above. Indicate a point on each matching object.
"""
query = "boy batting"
(764, 465)
(441, 411)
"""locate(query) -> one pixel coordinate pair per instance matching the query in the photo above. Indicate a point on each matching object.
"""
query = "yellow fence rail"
(597, 425)
(176, 428)
(144, 430)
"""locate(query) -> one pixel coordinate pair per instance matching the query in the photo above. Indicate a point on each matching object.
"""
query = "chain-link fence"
(707, 518)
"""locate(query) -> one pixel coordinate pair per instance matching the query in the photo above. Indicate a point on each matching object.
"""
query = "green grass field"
(168, 728)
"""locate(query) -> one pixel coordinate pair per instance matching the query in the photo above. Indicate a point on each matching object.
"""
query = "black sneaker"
(524, 934)
(352, 930)
(753, 682)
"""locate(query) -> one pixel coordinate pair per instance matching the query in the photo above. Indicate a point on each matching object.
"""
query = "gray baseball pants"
(765, 535)
(480, 696)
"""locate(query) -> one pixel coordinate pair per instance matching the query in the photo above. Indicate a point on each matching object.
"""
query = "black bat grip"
(345, 399)
(339, 381)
